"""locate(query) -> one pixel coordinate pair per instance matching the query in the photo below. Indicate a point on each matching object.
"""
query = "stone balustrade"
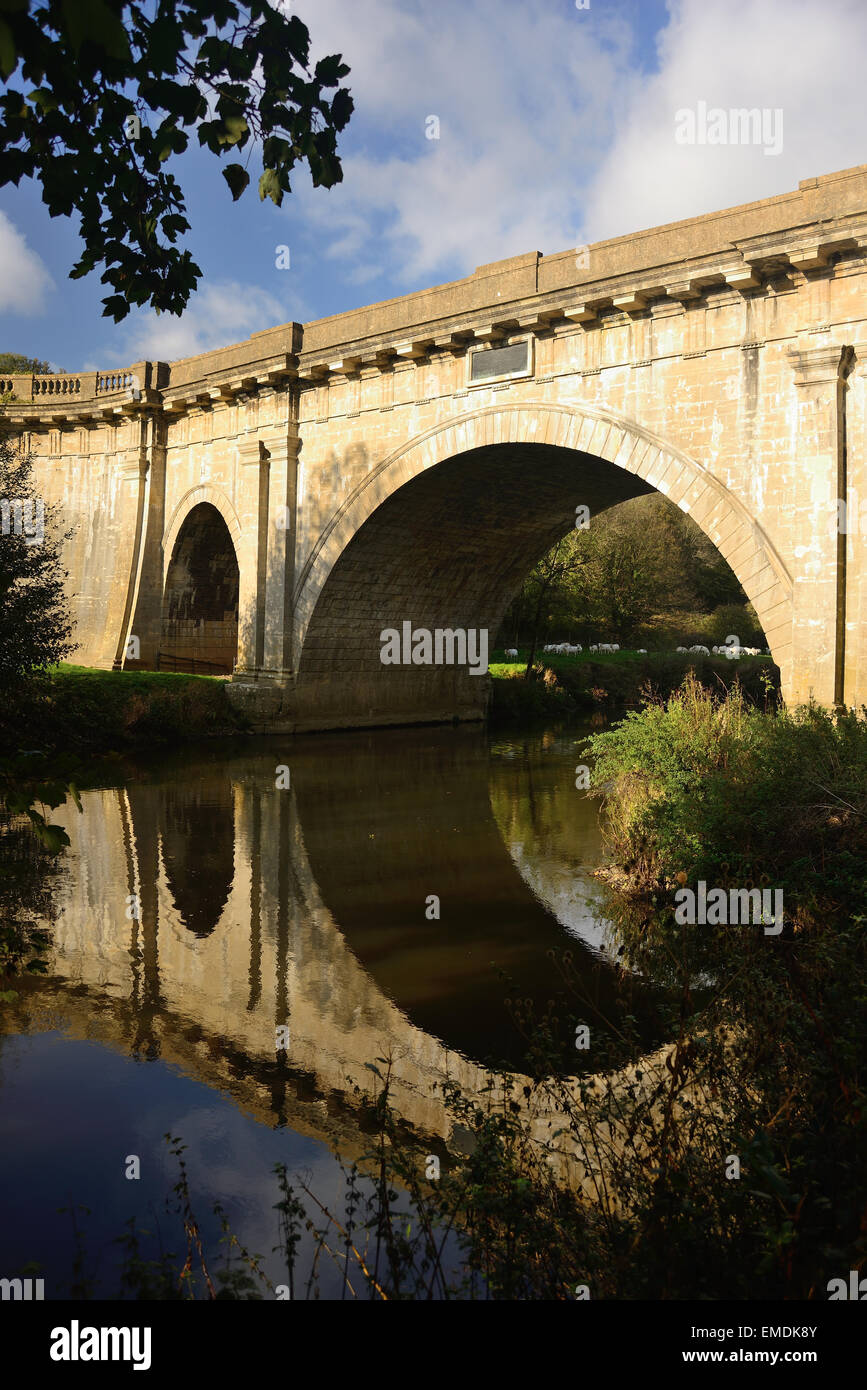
(116, 381)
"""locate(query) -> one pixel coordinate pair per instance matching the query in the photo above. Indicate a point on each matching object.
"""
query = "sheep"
(512, 653)
(642, 651)
(682, 649)
(698, 649)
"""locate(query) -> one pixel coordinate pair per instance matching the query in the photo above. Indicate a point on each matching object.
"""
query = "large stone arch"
(592, 439)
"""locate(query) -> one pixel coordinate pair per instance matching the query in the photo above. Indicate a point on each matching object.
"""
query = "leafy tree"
(637, 561)
(16, 364)
(631, 573)
(550, 580)
(101, 93)
(35, 621)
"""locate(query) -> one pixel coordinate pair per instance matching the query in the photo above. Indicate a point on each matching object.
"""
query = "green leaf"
(44, 98)
(237, 178)
(269, 187)
(92, 21)
(8, 56)
(116, 307)
(237, 128)
(54, 837)
(341, 109)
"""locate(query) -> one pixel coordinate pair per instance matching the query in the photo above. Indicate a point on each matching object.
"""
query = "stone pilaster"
(132, 468)
(819, 595)
(147, 585)
(252, 556)
(277, 663)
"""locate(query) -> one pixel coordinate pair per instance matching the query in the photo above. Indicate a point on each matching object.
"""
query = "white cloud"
(552, 132)
(524, 96)
(220, 313)
(740, 54)
(25, 280)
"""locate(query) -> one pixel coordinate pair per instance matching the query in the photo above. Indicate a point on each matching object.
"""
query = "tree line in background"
(15, 364)
(642, 573)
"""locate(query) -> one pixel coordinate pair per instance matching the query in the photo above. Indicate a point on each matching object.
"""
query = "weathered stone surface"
(365, 478)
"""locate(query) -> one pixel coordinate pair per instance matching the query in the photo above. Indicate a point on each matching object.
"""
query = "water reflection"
(197, 842)
(204, 907)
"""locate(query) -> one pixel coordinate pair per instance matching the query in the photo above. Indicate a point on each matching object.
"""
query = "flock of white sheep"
(735, 652)
(565, 649)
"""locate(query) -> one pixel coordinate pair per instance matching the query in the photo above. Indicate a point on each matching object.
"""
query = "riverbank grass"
(613, 681)
(85, 710)
(715, 788)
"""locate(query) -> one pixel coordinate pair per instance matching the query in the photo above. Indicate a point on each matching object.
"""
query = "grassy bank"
(79, 710)
(614, 681)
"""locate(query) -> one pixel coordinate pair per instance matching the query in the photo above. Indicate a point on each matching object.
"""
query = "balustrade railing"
(56, 386)
(114, 381)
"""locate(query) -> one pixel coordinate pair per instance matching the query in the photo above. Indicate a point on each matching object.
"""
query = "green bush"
(709, 787)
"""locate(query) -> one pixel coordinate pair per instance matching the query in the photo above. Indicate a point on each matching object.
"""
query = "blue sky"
(556, 127)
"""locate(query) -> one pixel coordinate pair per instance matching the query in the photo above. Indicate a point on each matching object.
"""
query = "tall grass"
(714, 788)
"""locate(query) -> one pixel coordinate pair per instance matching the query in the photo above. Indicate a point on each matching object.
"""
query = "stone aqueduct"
(411, 460)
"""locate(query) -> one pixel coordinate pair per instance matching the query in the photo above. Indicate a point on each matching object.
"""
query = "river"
(240, 929)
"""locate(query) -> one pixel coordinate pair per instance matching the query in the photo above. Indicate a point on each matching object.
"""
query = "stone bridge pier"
(267, 509)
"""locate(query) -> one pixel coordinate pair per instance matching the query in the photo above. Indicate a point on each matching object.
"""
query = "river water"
(239, 930)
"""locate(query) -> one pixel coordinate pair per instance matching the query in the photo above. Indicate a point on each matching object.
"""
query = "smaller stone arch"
(201, 588)
(203, 492)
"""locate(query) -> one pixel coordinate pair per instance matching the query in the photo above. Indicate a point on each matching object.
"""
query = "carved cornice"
(832, 362)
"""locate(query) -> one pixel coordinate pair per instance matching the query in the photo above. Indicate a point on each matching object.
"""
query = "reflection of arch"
(201, 591)
(197, 840)
(590, 431)
(378, 817)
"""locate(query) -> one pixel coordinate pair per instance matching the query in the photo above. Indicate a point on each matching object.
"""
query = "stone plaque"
(500, 361)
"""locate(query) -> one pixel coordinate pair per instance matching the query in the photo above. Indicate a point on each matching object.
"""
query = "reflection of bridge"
(297, 493)
(261, 907)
